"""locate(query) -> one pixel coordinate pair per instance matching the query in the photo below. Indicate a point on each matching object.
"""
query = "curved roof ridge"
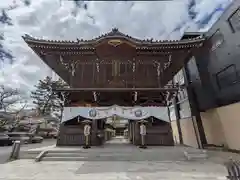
(115, 33)
(27, 37)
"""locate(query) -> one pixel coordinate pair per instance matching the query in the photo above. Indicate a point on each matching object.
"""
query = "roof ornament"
(28, 36)
(115, 30)
(115, 42)
(79, 40)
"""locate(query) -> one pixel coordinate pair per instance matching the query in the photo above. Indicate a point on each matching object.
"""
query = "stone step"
(196, 155)
(137, 155)
(64, 159)
(102, 151)
(28, 154)
(50, 154)
(112, 158)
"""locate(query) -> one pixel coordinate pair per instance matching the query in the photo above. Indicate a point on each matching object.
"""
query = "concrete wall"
(214, 75)
(222, 126)
(188, 133)
(213, 127)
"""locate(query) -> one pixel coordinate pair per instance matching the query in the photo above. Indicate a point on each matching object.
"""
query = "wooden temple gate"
(116, 69)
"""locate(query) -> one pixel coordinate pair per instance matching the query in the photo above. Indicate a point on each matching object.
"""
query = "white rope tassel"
(98, 68)
(135, 96)
(134, 66)
(73, 69)
(158, 69)
(95, 96)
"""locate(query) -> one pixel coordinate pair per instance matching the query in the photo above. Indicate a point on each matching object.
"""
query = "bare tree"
(16, 118)
(8, 98)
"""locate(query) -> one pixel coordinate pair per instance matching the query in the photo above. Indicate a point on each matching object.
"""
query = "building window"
(185, 110)
(234, 21)
(179, 78)
(172, 113)
(227, 76)
(217, 39)
(185, 94)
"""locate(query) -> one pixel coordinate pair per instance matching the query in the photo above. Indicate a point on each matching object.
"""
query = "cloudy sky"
(62, 19)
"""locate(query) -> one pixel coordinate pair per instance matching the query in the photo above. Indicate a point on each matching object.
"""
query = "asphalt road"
(6, 150)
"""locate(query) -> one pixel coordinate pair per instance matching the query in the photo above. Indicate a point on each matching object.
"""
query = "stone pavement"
(141, 170)
(5, 151)
(154, 163)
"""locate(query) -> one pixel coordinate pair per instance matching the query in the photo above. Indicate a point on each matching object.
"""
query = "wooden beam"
(118, 89)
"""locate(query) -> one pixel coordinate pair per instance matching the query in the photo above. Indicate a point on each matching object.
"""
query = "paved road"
(6, 150)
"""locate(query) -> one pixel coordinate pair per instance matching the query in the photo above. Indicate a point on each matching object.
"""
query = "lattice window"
(234, 21)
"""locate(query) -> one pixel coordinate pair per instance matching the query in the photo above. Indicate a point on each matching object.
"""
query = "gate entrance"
(115, 68)
(116, 122)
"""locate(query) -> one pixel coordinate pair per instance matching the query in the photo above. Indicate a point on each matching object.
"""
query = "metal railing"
(233, 168)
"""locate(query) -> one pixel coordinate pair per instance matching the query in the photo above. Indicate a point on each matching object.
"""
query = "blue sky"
(61, 19)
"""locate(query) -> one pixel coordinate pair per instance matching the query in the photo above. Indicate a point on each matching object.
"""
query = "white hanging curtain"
(132, 113)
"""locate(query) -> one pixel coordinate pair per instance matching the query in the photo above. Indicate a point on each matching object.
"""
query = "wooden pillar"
(130, 131)
(134, 134)
(94, 132)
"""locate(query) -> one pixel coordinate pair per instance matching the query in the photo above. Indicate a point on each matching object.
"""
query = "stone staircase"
(65, 156)
(29, 154)
(117, 149)
(115, 154)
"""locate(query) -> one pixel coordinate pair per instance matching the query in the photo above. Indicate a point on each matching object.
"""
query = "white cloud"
(44, 18)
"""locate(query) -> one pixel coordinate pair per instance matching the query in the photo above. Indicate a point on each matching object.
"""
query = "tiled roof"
(114, 34)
